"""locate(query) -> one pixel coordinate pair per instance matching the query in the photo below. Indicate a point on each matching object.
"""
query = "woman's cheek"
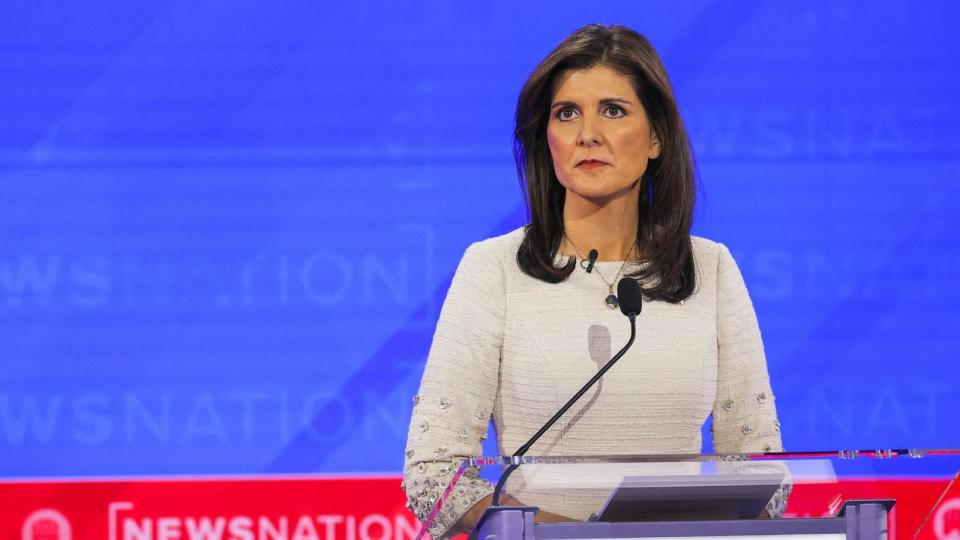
(558, 154)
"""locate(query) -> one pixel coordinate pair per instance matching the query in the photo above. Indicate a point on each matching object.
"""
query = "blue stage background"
(226, 228)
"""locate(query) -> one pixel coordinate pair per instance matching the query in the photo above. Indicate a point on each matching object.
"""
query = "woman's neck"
(610, 227)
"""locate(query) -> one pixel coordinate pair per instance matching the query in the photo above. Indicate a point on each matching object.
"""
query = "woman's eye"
(566, 113)
(615, 111)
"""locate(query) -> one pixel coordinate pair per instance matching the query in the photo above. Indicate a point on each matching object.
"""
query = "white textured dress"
(516, 348)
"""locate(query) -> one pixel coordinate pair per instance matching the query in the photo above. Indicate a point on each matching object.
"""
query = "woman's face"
(598, 133)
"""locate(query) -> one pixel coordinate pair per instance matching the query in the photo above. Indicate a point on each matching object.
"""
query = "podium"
(728, 496)
(866, 520)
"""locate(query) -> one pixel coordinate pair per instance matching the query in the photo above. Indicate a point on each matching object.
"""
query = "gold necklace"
(611, 300)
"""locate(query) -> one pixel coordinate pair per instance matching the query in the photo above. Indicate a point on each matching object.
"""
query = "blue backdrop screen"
(226, 228)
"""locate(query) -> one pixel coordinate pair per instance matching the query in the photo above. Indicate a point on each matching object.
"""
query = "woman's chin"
(600, 197)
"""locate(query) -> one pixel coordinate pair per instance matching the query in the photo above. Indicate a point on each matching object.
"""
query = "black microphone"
(631, 302)
(630, 297)
(593, 259)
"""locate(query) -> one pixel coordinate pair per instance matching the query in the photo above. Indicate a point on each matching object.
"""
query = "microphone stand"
(523, 449)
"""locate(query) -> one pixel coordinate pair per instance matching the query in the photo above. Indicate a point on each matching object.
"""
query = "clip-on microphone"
(590, 261)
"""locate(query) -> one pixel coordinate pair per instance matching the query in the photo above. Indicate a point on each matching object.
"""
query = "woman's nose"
(589, 133)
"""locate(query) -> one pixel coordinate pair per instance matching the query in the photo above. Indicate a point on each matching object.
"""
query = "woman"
(607, 165)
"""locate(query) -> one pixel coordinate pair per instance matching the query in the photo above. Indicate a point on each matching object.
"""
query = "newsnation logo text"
(258, 527)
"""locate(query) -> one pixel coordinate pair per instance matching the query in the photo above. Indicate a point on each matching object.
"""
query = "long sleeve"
(453, 406)
(744, 414)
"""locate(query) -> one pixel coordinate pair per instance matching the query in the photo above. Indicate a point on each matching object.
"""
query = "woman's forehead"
(593, 84)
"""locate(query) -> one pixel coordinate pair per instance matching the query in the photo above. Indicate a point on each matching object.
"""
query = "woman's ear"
(655, 146)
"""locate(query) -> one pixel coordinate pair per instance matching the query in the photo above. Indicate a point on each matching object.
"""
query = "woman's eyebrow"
(609, 100)
(604, 101)
(563, 104)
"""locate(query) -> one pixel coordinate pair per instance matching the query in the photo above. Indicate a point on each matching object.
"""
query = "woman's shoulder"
(705, 247)
(502, 247)
(492, 258)
(709, 255)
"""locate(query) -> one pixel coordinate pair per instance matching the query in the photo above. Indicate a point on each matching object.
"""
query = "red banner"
(933, 504)
(207, 509)
(349, 508)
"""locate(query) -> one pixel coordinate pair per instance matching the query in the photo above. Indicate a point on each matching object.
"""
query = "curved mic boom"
(631, 302)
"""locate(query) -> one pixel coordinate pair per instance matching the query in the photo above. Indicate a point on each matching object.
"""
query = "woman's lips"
(591, 164)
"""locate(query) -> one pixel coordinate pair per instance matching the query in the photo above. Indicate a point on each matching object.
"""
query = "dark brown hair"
(667, 187)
